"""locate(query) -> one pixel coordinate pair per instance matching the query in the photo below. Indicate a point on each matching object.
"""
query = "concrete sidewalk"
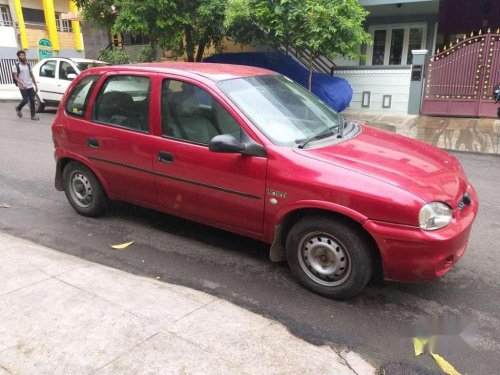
(9, 93)
(63, 315)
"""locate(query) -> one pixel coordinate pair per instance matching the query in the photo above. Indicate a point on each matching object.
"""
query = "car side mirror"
(225, 143)
(71, 76)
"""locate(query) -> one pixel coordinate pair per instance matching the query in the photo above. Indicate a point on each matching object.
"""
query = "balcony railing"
(42, 26)
(35, 25)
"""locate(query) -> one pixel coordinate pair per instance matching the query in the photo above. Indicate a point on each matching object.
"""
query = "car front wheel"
(331, 257)
(83, 190)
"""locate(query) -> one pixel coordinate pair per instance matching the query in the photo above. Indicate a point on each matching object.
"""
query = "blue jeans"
(28, 95)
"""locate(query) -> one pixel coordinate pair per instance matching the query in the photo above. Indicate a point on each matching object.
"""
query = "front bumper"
(411, 254)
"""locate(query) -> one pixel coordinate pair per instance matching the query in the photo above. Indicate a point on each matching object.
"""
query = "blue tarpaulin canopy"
(334, 91)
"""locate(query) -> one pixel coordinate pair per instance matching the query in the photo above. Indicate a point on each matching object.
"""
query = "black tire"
(83, 190)
(39, 106)
(331, 257)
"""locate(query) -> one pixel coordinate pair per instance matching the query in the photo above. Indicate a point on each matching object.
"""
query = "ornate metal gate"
(460, 80)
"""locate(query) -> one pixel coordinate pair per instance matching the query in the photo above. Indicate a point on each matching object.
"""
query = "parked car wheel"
(39, 106)
(330, 257)
(83, 190)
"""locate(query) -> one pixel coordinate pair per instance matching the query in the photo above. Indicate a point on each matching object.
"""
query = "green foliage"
(114, 56)
(146, 54)
(100, 11)
(180, 26)
(328, 27)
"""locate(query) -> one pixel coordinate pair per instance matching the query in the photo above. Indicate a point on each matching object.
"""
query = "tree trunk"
(200, 51)
(189, 43)
(310, 70)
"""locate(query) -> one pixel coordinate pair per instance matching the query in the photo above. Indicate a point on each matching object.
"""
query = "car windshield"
(91, 64)
(284, 111)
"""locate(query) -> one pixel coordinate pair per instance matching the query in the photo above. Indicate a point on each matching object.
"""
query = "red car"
(250, 151)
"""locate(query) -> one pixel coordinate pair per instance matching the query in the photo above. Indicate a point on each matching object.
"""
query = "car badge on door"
(276, 193)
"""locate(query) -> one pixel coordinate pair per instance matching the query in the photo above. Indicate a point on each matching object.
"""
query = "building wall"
(377, 82)
(465, 16)
(8, 40)
(95, 39)
(9, 36)
(394, 83)
(227, 46)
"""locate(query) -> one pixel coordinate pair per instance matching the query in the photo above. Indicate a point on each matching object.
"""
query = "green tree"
(114, 57)
(327, 28)
(181, 26)
(146, 54)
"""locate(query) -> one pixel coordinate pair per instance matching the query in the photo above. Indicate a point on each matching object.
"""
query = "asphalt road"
(238, 269)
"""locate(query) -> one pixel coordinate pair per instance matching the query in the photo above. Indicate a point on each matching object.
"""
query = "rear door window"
(79, 97)
(123, 101)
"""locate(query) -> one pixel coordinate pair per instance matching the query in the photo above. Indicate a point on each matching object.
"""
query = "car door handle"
(165, 157)
(93, 143)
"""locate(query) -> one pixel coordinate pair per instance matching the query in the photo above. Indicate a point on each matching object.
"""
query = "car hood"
(422, 169)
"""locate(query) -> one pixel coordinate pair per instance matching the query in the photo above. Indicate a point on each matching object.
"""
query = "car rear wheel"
(330, 257)
(83, 190)
(39, 105)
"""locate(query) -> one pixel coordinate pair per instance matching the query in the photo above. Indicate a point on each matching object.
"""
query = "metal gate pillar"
(417, 81)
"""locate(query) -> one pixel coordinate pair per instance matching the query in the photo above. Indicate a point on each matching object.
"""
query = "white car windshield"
(284, 111)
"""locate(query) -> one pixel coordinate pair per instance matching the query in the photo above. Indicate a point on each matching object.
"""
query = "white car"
(54, 75)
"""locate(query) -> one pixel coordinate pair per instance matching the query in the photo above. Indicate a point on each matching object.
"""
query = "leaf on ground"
(4, 205)
(419, 345)
(122, 246)
(445, 365)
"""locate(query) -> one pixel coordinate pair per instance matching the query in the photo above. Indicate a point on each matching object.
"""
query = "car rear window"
(79, 97)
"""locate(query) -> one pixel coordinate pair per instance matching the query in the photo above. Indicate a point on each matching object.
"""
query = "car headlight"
(435, 215)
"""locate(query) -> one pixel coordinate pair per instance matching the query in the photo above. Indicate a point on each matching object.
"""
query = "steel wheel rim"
(80, 189)
(324, 259)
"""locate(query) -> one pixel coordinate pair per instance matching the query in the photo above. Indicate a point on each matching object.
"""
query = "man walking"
(23, 77)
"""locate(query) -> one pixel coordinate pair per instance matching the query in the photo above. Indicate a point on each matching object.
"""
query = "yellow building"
(41, 28)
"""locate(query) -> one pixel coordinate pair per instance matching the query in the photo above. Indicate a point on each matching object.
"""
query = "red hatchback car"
(252, 152)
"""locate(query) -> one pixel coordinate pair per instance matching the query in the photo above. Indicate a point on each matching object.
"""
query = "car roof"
(212, 71)
(74, 59)
(79, 59)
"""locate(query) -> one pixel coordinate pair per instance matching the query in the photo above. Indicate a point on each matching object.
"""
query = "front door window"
(415, 41)
(379, 47)
(392, 44)
(397, 41)
(191, 114)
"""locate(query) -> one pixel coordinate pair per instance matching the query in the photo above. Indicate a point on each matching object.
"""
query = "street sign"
(44, 43)
(44, 49)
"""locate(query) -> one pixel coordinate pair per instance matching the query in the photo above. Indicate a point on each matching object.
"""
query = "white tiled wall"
(379, 82)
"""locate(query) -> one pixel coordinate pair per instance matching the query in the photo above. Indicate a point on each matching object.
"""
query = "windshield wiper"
(343, 125)
(325, 133)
